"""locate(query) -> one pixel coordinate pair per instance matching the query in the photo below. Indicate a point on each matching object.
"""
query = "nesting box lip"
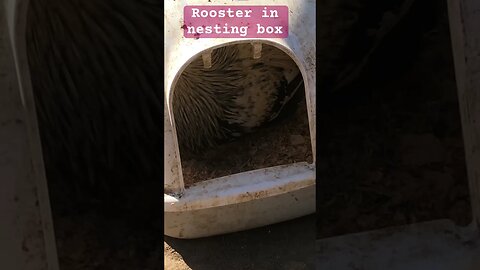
(229, 218)
(239, 188)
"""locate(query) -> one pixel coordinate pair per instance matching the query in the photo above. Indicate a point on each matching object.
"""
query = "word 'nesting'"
(236, 21)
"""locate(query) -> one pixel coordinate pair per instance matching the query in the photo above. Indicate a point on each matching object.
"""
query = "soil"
(284, 141)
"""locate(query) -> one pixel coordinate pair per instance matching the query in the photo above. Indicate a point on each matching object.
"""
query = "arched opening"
(240, 107)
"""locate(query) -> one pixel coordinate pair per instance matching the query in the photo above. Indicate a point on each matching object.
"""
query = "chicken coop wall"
(180, 51)
(464, 17)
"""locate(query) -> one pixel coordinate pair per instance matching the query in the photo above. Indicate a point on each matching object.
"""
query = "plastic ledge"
(241, 201)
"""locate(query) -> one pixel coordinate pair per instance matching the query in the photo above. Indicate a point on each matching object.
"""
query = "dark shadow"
(288, 245)
(391, 150)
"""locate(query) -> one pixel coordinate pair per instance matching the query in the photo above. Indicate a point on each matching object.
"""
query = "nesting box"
(250, 198)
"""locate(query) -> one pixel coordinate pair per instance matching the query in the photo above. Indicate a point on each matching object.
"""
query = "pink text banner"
(235, 21)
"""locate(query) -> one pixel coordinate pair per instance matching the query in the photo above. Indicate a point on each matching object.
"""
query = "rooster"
(236, 95)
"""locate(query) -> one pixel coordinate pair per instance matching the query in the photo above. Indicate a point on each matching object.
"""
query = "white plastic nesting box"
(253, 198)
